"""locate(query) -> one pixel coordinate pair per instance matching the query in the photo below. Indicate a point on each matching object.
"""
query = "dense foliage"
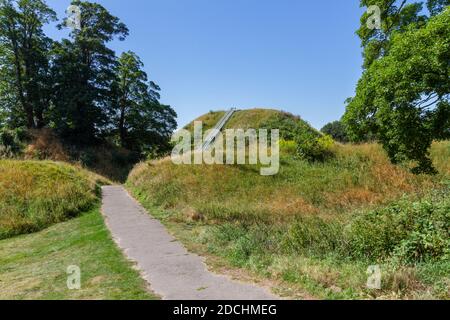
(403, 95)
(298, 135)
(410, 232)
(336, 130)
(77, 86)
(138, 116)
(11, 142)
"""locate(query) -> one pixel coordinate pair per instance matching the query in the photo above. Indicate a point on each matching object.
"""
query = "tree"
(83, 71)
(396, 16)
(336, 130)
(152, 128)
(403, 97)
(24, 59)
(142, 123)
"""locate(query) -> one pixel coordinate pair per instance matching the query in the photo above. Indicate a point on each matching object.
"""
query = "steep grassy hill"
(255, 119)
(316, 227)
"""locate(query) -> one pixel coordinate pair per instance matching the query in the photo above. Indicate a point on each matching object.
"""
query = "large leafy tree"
(24, 60)
(395, 16)
(83, 72)
(403, 96)
(142, 123)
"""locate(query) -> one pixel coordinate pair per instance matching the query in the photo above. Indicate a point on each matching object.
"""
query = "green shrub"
(88, 158)
(11, 142)
(410, 232)
(336, 130)
(289, 125)
(288, 146)
(314, 148)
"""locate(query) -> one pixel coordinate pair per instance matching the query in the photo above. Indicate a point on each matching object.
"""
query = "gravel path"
(172, 272)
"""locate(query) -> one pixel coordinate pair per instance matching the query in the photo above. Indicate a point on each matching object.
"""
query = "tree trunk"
(122, 129)
(40, 119)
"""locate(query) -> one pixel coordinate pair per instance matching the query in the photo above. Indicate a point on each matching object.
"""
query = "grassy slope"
(253, 118)
(360, 176)
(34, 194)
(209, 120)
(266, 118)
(238, 218)
(34, 266)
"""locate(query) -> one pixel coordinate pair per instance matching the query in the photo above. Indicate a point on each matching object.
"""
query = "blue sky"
(296, 55)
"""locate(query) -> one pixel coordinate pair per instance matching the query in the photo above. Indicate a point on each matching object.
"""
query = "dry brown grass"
(106, 160)
(285, 202)
(45, 146)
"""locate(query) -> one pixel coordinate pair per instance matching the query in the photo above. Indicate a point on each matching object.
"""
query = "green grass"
(34, 266)
(37, 194)
(253, 118)
(305, 228)
(209, 120)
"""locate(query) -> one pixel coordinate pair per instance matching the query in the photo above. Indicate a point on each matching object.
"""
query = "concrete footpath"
(172, 272)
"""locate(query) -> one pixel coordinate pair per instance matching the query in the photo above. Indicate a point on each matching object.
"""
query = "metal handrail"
(217, 129)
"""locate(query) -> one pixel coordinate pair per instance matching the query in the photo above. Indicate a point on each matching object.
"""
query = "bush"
(45, 145)
(313, 148)
(88, 158)
(289, 147)
(288, 125)
(11, 142)
(409, 232)
(336, 130)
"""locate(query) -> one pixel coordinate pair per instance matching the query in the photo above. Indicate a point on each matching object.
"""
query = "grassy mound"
(257, 119)
(34, 266)
(35, 194)
(318, 225)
